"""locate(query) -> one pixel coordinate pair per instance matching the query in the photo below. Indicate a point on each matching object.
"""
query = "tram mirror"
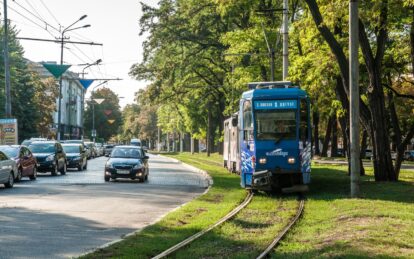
(234, 121)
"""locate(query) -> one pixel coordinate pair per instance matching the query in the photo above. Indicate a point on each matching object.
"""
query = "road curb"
(209, 182)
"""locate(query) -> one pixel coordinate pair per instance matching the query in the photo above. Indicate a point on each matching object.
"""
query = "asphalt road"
(65, 216)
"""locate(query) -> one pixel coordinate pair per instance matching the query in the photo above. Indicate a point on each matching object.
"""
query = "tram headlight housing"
(262, 160)
(291, 160)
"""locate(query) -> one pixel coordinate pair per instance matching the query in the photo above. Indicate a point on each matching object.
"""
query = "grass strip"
(196, 215)
(248, 233)
(380, 224)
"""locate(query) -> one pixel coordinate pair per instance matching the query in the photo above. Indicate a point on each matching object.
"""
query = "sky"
(115, 24)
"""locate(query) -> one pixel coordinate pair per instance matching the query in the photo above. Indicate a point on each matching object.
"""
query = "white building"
(71, 104)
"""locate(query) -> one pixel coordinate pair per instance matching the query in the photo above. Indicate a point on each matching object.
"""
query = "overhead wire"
(51, 14)
(36, 16)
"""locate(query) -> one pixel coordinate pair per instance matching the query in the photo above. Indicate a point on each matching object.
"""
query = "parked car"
(8, 170)
(409, 155)
(127, 162)
(135, 142)
(92, 149)
(99, 149)
(108, 149)
(27, 142)
(76, 156)
(50, 156)
(25, 161)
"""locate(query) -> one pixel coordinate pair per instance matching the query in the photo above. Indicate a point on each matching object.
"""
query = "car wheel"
(19, 175)
(10, 182)
(107, 179)
(63, 170)
(54, 170)
(34, 175)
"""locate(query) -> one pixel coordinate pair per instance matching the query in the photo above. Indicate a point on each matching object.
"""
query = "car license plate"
(122, 171)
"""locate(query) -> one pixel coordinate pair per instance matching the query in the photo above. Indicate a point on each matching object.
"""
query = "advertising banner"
(8, 132)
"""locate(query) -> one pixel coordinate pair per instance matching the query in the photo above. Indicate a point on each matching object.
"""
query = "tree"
(24, 87)
(107, 114)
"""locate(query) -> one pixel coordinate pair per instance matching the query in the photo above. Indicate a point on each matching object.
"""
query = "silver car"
(8, 171)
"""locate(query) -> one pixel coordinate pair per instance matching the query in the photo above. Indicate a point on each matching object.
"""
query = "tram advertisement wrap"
(8, 131)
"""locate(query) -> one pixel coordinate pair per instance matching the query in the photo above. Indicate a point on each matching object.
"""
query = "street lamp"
(62, 42)
(89, 65)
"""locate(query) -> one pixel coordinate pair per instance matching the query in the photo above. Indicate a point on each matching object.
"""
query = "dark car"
(76, 156)
(127, 162)
(25, 161)
(409, 155)
(50, 156)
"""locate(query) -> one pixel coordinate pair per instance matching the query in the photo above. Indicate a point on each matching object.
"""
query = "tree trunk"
(364, 140)
(208, 138)
(334, 142)
(316, 132)
(327, 137)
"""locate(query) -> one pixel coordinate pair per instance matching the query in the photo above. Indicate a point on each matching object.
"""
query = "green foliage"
(27, 106)
(104, 128)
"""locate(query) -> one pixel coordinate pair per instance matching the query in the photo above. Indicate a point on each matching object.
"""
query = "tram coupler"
(261, 180)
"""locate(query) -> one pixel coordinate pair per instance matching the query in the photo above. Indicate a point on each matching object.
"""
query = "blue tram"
(272, 137)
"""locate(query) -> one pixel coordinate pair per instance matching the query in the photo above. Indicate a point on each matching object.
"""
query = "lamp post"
(89, 65)
(62, 42)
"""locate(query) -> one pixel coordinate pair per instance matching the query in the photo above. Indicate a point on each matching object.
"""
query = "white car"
(8, 171)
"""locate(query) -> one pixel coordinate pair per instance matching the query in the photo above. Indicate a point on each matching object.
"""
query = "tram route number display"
(8, 132)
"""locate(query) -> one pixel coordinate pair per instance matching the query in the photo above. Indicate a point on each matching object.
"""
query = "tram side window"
(303, 129)
(247, 121)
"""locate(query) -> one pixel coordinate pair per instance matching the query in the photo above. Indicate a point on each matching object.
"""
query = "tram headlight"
(263, 160)
(291, 160)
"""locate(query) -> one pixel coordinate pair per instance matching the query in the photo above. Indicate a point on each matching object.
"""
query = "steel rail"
(201, 233)
(285, 230)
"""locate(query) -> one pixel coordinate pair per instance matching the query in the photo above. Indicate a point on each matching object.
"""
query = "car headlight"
(50, 158)
(109, 165)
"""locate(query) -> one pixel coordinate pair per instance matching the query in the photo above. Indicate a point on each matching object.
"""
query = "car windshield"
(10, 151)
(275, 124)
(74, 141)
(71, 149)
(42, 148)
(126, 153)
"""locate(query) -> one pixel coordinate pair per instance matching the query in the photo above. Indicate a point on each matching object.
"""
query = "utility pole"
(6, 63)
(285, 39)
(354, 96)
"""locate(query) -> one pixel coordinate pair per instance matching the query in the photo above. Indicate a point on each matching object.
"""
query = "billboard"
(8, 132)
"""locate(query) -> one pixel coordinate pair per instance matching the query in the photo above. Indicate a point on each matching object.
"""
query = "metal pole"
(272, 65)
(93, 122)
(6, 63)
(285, 39)
(354, 96)
(60, 90)
(159, 140)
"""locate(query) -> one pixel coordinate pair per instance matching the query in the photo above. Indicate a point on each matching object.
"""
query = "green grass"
(379, 224)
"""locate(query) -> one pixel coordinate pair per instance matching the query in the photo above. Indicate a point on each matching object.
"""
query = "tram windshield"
(275, 124)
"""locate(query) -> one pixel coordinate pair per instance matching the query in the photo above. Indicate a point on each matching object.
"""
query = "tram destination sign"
(276, 104)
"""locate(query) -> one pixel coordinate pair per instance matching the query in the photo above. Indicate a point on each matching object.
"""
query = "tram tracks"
(232, 214)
